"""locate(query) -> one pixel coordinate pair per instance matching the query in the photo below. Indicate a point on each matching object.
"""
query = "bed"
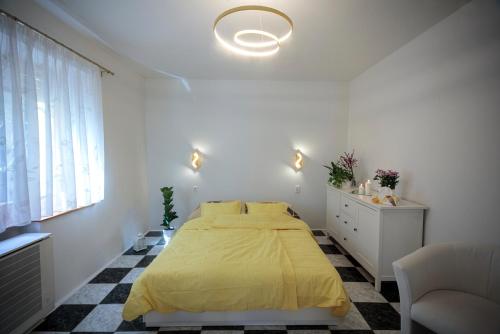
(264, 269)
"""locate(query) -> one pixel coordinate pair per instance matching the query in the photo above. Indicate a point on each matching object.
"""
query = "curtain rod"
(103, 69)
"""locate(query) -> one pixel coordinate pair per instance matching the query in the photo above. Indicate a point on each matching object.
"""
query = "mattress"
(239, 263)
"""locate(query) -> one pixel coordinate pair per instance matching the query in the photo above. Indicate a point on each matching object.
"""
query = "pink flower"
(387, 177)
(348, 161)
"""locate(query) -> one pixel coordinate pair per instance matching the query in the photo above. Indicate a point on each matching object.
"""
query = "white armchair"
(450, 288)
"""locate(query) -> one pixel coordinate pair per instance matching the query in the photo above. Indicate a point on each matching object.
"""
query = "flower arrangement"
(387, 178)
(342, 170)
(348, 162)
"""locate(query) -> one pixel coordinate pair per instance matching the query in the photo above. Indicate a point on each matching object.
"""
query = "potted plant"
(169, 214)
(348, 162)
(338, 174)
(387, 178)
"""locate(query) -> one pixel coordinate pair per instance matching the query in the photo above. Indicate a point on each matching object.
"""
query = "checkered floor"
(98, 305)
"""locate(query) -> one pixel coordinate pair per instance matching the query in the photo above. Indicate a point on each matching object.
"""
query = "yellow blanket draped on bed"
(238, 263)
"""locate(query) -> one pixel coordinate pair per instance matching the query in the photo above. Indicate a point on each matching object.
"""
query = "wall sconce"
(196, 160)
(299, 160)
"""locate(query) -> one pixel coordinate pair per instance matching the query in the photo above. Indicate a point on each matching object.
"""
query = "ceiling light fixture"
(252, 48)
(273, 42)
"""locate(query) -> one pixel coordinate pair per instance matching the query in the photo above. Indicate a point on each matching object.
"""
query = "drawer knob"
(345, 238)
(346, 205)
(355, 230)
(345, 222)
(337, 216)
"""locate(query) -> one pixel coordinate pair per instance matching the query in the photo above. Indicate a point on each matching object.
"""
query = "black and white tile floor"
(97, 307)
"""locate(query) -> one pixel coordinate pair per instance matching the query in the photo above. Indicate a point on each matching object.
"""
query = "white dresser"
(375, 235)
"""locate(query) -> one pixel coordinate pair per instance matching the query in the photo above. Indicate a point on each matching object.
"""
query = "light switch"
(297, 188)
(195, 189)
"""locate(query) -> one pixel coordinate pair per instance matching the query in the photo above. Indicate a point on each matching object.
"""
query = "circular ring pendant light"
(252, 48)
(257, 45)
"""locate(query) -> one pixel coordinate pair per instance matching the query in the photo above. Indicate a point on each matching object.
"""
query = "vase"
(353, 183)
(167, 235)
(385, 191)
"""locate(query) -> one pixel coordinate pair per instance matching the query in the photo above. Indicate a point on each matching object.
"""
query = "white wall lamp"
(299, 161)
(196, 160)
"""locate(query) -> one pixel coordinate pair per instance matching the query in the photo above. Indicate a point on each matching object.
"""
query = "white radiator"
(26, 281)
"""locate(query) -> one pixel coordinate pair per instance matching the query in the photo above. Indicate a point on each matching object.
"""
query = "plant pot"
(388, 191)
(346, 185)
(168, 234)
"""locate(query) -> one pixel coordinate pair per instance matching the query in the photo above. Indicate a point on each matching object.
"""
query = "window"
(51, 134)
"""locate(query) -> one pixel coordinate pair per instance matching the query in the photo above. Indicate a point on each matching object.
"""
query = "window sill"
(44, 219)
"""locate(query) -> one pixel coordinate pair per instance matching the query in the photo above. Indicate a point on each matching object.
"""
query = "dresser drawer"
(347, 225)
(348, 207)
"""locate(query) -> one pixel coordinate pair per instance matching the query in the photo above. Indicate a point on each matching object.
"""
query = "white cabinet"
(375, 235)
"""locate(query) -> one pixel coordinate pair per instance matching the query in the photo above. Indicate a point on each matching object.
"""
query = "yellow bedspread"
(239, 263)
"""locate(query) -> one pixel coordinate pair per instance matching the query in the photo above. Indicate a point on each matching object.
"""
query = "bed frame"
(307, 316)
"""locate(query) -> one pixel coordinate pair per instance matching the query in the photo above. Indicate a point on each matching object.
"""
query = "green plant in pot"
(169, 214)
(338, 174)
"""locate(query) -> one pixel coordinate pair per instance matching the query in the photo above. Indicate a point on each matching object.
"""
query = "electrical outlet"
(195, 189)
(297, 188)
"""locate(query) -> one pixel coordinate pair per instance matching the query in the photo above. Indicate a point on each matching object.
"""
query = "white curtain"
(51, 134)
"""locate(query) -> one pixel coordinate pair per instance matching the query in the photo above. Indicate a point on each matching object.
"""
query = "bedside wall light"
(299, 161)
(196, 160)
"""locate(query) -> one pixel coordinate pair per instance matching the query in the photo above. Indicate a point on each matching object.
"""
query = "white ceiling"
(332, 39)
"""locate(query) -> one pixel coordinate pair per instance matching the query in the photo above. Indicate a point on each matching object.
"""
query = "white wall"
(87, 239)
(247, 132)
(432, 111)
